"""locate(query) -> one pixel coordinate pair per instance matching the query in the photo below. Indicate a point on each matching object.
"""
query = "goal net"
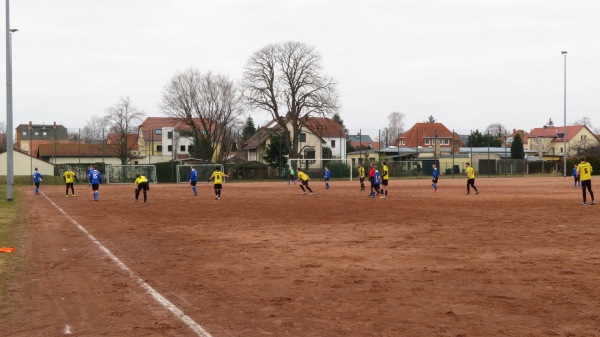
(126, 174)
(204, 172)
(315, 168)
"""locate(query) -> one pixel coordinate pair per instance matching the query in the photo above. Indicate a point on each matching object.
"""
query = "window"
(37, 133)
(446, 141)
(24, 133)
(309, 154)
(170, 135)
(158, 132)
(302, 137)
(561, 150)
(170, 148)
(182, 148)
(333, 144)
(426, 141)
(403, 142)
(583, 137)
(44, 133)
(158, 148)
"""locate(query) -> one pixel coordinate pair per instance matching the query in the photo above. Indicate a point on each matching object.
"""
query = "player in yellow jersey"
(470, 179)
(385, 175)
(69, 177)
(218, 177)
(585, 175)
(141, 184)
(361, 177)
(303, 178)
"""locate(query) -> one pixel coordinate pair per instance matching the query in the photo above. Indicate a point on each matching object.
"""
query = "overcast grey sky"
(467, 63)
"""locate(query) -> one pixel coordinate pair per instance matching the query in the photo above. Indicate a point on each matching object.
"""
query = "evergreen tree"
(276, 153)
(516, 150)
(249, 129)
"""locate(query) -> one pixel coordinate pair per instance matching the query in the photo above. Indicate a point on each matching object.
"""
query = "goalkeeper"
(141, 184)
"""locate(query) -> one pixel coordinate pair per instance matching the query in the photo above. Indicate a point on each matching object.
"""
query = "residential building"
(30, 136)
(549, 140)
(361, 140)
(434, 135)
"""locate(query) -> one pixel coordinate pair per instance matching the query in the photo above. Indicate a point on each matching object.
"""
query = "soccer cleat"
(476, 192)
(303, 193)
(73, 195)
(312, 193)
(135, 200)
(583, 204)
(593, 202)
(67, 195)
(467, 193)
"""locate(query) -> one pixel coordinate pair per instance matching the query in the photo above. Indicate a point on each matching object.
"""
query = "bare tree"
(94, 130)
(3, 140)
(287, 81)
(392, 130)
(122, 122)
(210, 106)
(497, 130)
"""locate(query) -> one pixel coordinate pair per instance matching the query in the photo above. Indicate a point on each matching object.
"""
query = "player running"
(37, 179)
(303, 178)
(470, 179)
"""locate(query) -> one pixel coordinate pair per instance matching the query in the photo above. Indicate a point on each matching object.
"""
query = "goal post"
(340, 169)
(204, 172)
(126, 174)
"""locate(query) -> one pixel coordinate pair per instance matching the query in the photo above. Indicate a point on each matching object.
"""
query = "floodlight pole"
(9, 109)
(565, 115)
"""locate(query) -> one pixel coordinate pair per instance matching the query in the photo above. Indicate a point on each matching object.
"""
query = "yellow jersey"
(218, 176)
(303, 176)
(361, 172)
(141, 179)
(69, 176)
(585, 171)
(386, 173)
(470, 172)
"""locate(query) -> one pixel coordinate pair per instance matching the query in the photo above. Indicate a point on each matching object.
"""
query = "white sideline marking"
(197, 328)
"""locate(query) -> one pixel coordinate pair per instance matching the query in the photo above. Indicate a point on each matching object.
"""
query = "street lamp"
(9, 109)
(564, 52)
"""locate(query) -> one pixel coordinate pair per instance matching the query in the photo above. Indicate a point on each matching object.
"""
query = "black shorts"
(471, 182)
(37, 184)
(326, 179)
(434, 180)
(362, 179)
(218, 186)
(143, 186)
(305, 183)
(95, 187)
(384, 182)
(193, 183)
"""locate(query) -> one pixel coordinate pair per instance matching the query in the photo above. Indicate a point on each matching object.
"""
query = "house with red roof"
(433, 135)
(550, 140)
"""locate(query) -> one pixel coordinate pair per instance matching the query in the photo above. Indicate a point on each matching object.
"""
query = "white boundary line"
(197, 328)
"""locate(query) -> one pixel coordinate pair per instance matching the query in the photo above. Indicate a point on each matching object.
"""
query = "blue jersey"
(193, 175)
(574, 173)
(327, 174)
(435, 173)
(95, 177)
(377, 178)
(37, 177)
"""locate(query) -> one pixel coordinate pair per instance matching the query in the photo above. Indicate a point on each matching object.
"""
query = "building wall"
(24, 165)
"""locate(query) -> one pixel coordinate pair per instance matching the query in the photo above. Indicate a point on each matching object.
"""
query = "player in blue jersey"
(376, 183)
(435, 178)
(87, 174)
(95, 179)
(37, 179)
(327, 177)
(575, 174)
(194, 180)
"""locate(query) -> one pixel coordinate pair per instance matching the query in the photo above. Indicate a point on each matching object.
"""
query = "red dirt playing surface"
(522, 258)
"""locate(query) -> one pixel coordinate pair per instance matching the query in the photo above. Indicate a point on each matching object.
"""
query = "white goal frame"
(318, 166)
(204, 172)
(126, 174)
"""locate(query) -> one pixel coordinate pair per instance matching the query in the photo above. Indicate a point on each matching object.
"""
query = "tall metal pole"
(10, 173)
(565, 116)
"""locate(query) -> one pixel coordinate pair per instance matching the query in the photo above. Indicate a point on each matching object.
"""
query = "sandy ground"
(522, 258)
